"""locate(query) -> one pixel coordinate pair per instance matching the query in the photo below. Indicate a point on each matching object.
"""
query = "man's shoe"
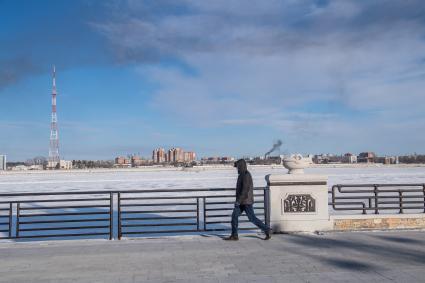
(232, 238)
(268, 235)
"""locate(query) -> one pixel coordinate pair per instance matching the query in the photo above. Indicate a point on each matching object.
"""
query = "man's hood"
(241, 165)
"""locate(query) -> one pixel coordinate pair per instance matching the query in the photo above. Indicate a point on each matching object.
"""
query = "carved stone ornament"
(299, 203)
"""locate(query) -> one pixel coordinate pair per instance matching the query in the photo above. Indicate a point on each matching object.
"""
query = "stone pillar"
(298, 203)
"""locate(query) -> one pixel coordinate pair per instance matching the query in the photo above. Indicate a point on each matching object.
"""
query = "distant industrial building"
(65, 164)
(366, 157)
(349, 158)
(217, 160)
(3, 162)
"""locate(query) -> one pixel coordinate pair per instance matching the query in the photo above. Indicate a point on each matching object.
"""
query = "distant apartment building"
(159, 155)
(176, 155)
(3, 162)
(122, 162)
(137, 161)
(366, 157)
(173, 155)
(189, 156)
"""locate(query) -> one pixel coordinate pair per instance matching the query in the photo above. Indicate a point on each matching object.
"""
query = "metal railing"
(191, 211)
(116, 214)
(378, 197)
(58, 214)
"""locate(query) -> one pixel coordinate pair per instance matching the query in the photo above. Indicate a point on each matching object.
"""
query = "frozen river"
(150, 179)
(191, 178)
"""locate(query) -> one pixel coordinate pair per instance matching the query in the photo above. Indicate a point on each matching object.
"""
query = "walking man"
(244, 202)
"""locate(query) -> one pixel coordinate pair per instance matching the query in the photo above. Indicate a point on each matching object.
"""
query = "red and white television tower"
(54, 158)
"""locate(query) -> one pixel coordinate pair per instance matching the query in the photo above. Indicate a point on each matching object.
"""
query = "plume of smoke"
(275, 147)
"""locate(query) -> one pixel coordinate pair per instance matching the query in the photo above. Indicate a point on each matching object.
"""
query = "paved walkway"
(334, 257)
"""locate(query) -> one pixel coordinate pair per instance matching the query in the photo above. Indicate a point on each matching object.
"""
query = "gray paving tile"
(337, 257)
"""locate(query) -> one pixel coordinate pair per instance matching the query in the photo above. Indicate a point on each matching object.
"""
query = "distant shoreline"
(204, 168)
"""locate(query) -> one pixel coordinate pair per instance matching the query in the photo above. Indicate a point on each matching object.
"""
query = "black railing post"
(10, 218)
(111, 216)
(423, 189)
(205, 213)
(333, 196)
(370, 205)
(267, 206)
(119, 216)
(197, 214)
(400, 200)
(18, 206)
(375, 191)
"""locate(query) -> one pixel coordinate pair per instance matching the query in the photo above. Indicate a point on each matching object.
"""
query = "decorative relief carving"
(299, 203)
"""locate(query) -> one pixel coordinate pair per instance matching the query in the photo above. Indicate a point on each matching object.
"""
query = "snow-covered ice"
(194, 178)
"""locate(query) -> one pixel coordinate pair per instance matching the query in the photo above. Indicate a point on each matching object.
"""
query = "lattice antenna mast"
(54, 137)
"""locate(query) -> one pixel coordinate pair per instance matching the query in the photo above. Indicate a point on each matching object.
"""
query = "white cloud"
(260, 62)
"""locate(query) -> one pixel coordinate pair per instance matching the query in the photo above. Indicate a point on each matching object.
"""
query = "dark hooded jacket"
(244, 185)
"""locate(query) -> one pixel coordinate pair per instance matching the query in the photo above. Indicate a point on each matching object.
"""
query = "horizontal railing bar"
(378, 185)
(64, 214)
(379, 191)
(4, 209)
(400, 202)
(64, 228)
(226, 209)
(226, 222)
(4, 216)
(62, 207)
(380, 208)
(228, 215)
(158, 198)
(228, 229)
(124, 192)
(62, 235)
(64, 221)
(63, 200)
(227, 202)
(56, 193)
(372, 197)
(158, 204)
(3, 231)
(157, 232)
(158, 224)
(182, 190)
(157, 218)
(230, 196)
(154, 211)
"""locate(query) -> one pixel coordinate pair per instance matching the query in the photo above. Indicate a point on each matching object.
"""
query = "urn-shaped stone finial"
(296, 163)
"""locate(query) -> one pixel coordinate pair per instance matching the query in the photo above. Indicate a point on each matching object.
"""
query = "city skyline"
(220, 78)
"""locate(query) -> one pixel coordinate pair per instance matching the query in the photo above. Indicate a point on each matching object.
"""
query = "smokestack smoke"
(275, 147)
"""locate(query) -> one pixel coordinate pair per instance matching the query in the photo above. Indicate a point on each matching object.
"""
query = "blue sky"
(218, 77)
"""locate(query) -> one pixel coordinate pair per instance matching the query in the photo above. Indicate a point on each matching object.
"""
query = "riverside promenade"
(396, 256)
